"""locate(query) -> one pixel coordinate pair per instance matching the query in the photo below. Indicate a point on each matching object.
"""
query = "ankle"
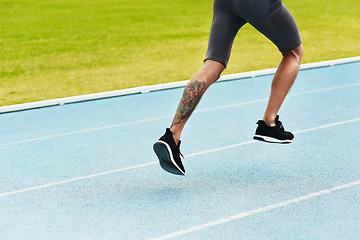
(270, 121)
(176, 136)
(177, 140)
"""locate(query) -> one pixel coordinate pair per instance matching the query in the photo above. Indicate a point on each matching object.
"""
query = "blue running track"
(87, 170)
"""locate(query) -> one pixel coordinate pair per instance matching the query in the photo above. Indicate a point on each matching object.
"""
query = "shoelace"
(280, 125)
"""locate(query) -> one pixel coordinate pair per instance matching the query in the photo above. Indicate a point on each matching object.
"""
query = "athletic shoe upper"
(169, 154)
(276, 134)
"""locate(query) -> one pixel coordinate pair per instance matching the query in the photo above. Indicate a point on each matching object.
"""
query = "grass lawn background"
(59, 48)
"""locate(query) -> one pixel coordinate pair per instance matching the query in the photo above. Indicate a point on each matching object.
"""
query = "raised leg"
(194, 90)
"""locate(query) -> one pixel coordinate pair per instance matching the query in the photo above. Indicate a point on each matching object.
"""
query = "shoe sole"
(271, 140)
(166, 159)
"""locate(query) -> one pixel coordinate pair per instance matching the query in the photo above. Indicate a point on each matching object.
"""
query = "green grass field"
(58, 48)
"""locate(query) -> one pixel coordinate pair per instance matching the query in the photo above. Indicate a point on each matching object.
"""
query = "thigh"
(273, 19)
(224, 28)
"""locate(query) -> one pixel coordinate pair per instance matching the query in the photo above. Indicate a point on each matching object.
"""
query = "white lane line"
(153, 163)
(328, 125)
(170, 116)
(255, 211)
(266, 99)
(220, 148)
(75, 179)
(324, 90)
(84, 131)
(254, 141)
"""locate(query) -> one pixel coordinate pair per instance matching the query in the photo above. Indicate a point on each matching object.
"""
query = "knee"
(297, 53)
(211, 71)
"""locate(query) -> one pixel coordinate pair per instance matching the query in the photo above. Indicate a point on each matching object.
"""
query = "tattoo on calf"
(190, 99)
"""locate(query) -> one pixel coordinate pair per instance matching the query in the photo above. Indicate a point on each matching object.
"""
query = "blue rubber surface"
(48, 158)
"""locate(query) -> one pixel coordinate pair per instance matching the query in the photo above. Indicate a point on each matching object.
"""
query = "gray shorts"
(270, 17)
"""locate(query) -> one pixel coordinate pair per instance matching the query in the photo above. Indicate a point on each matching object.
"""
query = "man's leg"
(270, 129)
(224, 27)
(167, 148)
(282, 82)
(194, 90)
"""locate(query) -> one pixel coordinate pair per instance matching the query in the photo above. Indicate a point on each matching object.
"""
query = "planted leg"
(282, 82)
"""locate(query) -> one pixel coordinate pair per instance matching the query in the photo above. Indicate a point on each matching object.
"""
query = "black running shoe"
(169, 154)
(276, 134)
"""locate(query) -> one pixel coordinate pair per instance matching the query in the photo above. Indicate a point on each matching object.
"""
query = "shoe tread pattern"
(164, 158)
